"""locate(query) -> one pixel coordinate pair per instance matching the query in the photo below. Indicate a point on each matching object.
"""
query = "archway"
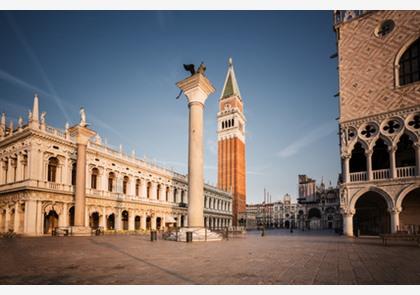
(124, 220)
(182, 221)
(148, 223)
(71, 216)
(410, 214)
(372, 216)
(110, 222)
(358, 159)
(137, 223)
(94, 220)
(380, 156)
(287, 224)
(50, 221)
(158, 222)
(314, 216)
(405, 156)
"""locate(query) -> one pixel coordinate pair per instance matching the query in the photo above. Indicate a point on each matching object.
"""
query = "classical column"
(103, 218)
(162, 222)
(369, 164)
(395, 219)
(392, 165)
(7, 219)
(153, 222)
(348, 224)
(63, 220)
(82, 134)
(153, 191)
(87, 219)
(171, 194)
(39, 218)
(346, 168)
(143, 188)
(178, 196)
(16, 221)
(118, 220)
(10, 171)
(131, 217)
(19, 167)
(417, 146)
(143, 222)
(178, 221)
(162, 192)
(196, 89)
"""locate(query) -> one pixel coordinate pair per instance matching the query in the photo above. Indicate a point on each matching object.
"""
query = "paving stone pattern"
(277, 258)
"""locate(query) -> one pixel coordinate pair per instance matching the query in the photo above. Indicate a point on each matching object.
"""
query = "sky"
(122, 66)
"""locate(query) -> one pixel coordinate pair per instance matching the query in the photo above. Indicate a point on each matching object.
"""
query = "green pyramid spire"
(230, 87)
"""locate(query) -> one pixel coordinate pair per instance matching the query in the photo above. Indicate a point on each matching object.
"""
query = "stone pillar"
(82, 135)
(417, 147)
(39, 219)
(10, 170)
(348, 224)
(103, 218)
(153, 222)
(171, 194)
(346, 168)
(162, 193)
(178, 196)
(153, 191)
(143, 222)
(64, 216)
(131, 217)
(87, 219)
(395, 219)
(196, 89)
(392, 165)
(369, 164)
(7, 219)
(19, 167)
(118, 220)
(16, 221)
(143, 188)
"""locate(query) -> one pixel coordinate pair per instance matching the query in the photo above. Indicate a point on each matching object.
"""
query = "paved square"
(277, 258)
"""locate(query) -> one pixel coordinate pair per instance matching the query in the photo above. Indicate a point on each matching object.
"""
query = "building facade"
(378, 61)
(319, 205)
(231, 144)
(38, 172)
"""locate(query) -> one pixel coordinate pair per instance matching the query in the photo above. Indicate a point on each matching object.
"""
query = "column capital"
(82, 134)
(196, 88)
(346, 156)
(393, 148)
(395, 210)
(368, 152)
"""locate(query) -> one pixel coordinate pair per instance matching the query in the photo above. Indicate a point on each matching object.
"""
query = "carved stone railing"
(409, 171)
(39, 184)
(358, 176)
(380, 174)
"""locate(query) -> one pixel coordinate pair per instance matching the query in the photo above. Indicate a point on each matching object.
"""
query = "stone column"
(369, 164)
(171, 194)
(64, 216)
(392, 165)
(153, 222)
(395, 219)
(87, 215)
(131, 217)
(16, 221)
(39, 219)
(346, 168)
(19, 167)
(143, 222)
(162, 193)
(103, 218)
(178, 221)
(348, 224)
(178, 196)
(66, 179)
(118, 220)
(82, 135)
(196, 89)
(10, 171)
(143, 188)
(7, 219)
(417, 146)
(153, 191)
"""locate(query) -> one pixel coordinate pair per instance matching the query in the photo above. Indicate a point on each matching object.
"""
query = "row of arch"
(228, 123)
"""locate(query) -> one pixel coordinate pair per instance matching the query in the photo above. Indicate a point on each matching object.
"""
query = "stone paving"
(277, 258)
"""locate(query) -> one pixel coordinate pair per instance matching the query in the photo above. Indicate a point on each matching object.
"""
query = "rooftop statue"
(82, 117)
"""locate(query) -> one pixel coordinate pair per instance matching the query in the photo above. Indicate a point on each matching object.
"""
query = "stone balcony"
(383, 174)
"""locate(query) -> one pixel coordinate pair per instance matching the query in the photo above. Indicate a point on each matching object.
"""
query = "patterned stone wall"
(368, 82)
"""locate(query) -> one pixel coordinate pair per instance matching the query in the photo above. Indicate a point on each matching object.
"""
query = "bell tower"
(231, 143)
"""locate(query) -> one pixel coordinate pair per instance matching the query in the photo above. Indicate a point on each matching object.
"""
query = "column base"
(80, 231)
(199, 235)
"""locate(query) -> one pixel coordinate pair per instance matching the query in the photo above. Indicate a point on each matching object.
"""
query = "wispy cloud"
(14, 80)
(21, 37)
(212, 146)
(316, 134)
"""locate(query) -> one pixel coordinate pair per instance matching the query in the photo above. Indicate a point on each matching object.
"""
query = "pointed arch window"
(409, 64)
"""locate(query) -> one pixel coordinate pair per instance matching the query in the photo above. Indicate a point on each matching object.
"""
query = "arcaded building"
(379, 119)
(38, 173)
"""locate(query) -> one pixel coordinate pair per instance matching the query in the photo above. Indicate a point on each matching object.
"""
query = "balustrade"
(381, 174)
(409, 171)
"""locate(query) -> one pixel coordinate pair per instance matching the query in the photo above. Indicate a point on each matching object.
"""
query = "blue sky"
(123, 66)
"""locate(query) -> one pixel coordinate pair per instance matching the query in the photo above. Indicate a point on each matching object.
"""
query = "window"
(125, 184)
(137, 187)
(111, 178)
(409, 64)
(94, 178)
(73, 174)
(52, 169)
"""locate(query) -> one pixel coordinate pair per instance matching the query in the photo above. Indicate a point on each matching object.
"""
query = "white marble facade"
(37, 177)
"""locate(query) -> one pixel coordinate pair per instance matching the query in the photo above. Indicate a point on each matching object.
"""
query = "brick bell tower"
(231, 144)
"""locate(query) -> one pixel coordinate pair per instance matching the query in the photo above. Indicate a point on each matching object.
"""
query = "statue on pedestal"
(82, 117)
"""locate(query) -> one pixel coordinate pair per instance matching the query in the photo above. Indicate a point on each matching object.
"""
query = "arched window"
(233, 122)
(149, 186)
(409, 64)
(52, 169)
(94, 178)
(175, 193)
(111, 178)
(137, 187)
(405, 154)
(125, 184)
(380, 156)
(358, 159)
(167, 194)
(158, 192)
(223, 125)
(73, 173)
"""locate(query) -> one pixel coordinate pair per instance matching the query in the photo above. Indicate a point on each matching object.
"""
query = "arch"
(380, 155)
(358, 157)
(52, 169)
(158, 222)
(110, 221)
(71, 216)
(158, 188)
(137, 187)
(314, 213)
(407, 63)
(375, 189)
(405, 155)
(73, 173)
(410, 211)
(372, 214)
(124, 220)
(148, 222)
(403, 194)
(50, 221)
(111, 180)
(94, 220)
(94, 178)
(149, 187)
(137, 222)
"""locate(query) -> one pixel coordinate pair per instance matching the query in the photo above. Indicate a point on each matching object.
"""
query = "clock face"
(227, 106)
